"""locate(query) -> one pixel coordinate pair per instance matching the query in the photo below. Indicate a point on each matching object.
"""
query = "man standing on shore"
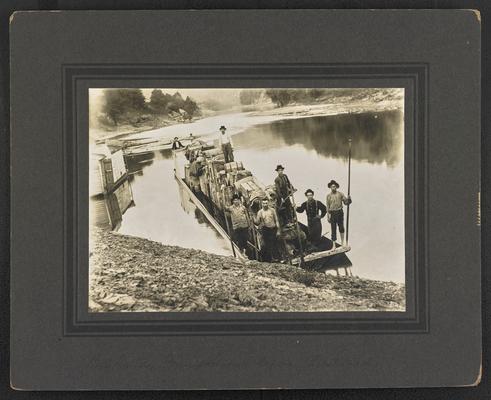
(335, 216)
(315, 212)
(240, 223)
(225, 142)
(284, 189)
(268, 224)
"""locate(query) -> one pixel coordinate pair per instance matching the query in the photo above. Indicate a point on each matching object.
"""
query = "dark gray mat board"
(52, 348)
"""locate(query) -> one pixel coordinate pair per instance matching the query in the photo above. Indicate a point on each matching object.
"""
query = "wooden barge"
(212, 191)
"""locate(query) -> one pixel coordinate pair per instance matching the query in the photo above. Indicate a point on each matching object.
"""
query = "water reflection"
(137, 162)
(163, 214)
(376, 137)
(166, 153)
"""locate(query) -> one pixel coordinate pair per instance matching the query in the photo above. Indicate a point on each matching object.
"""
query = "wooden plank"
(124, 196)
(322, 254)
(107, 173)
(113, 210)
(95, 179)
(118, 165)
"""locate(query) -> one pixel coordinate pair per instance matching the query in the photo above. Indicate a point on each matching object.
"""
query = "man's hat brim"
(309, 191)
(223, 128)
(279, 167)
(333, 182)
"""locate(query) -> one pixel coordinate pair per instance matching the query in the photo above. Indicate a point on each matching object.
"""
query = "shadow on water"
(166, 153)
(137, 162)
(376, 137)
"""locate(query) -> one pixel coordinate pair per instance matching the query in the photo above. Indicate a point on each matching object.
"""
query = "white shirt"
(224, 139)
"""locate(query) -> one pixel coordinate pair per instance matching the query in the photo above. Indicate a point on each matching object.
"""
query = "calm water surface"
(314, 151)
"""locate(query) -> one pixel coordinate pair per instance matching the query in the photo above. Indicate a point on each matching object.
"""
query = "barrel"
(234, 166)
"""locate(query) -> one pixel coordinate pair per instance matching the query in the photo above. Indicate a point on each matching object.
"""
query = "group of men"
(314, 209)
(269, 220)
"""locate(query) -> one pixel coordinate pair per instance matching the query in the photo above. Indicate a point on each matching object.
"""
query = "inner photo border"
(77, 79)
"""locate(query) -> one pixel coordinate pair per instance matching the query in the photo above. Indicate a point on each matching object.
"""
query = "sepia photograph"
(246, 200)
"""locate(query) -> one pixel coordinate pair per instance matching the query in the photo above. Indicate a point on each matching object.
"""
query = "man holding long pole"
(334, 203)
(335, 214)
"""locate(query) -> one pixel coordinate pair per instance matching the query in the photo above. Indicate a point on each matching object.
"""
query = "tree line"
(283, 97)
(130, 105)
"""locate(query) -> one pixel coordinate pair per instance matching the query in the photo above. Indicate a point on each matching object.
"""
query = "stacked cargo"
(213, 183)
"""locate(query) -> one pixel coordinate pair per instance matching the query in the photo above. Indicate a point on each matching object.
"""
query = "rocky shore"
(134, 274)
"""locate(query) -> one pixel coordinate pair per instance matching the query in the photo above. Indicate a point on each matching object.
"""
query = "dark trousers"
(241, 235)
(285, 211)
(270, 248)
(315, 230)
(337, 221)
(228, 152)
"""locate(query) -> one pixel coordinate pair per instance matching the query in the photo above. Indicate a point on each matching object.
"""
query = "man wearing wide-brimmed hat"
(315, 212)
(225, 142)
(284, 189)
(335, 214)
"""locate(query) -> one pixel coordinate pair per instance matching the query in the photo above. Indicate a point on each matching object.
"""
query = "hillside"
(133, 274)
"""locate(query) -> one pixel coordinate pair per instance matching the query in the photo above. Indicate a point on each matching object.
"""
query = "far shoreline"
(292, 111)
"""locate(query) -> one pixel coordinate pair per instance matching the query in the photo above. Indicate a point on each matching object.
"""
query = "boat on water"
(133, 147)
(212, 191)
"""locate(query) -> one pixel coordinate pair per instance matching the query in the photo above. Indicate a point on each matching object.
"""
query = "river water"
(313, 150)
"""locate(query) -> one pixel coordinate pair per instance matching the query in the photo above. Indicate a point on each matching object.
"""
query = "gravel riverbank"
(134, 274)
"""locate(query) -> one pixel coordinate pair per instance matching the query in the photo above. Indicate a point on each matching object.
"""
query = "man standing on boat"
(240, 223)
(195, 171)
(176, 144)
(225, 142)
(335, 216)
(315, 212)
(284, 189)
(269, 226)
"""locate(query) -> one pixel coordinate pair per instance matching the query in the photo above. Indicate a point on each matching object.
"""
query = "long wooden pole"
(298, 229)
(349, 188)
(253, 231)
(284, 242)
(227, 224)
